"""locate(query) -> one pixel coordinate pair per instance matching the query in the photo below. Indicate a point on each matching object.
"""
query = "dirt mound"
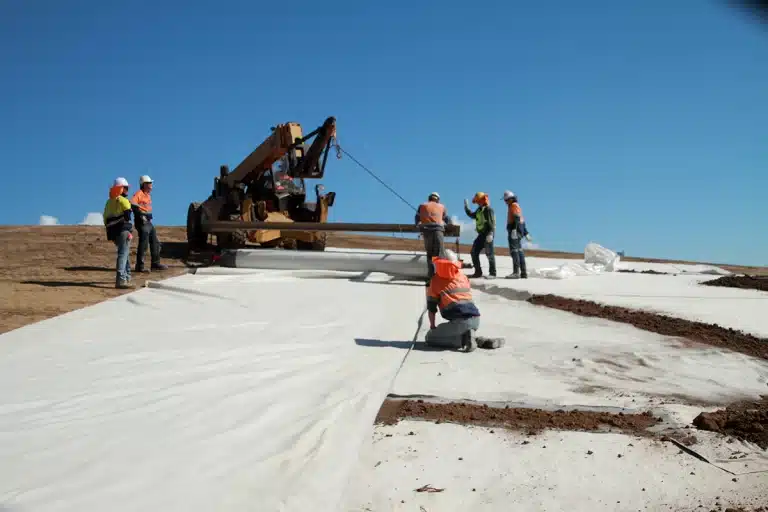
(710, 334)
(743, 282)
(652, 272)
(530, 420)
(747, 421)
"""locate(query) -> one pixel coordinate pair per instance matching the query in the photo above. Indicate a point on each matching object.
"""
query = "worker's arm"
(432, 303)
(514, 225)
(417, 217)
(471, 214)
(446, 220)
(491, 220)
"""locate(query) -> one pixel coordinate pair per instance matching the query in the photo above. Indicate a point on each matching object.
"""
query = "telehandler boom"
(262, 199)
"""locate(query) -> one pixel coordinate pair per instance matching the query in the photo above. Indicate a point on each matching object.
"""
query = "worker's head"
(120, 186)
(434, 196)
(509, 197)
(448, 265)
(481, 198)
(145, 183)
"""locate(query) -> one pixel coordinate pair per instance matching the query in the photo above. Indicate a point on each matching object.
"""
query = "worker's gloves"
(489, 238)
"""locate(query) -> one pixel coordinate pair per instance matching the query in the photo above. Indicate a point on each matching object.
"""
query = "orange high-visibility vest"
(143, 201)
(447, 291)
(431, 213)
(513, 210)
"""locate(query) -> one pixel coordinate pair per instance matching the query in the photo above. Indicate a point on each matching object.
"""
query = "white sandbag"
(566, 270)
(597, 259)
(598, 255)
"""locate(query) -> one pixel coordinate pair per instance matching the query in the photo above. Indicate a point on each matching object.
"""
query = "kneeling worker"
(449, 291)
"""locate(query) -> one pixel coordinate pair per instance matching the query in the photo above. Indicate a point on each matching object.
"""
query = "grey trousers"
(147, 237)
(434, 245)
(449, 334)
(516, 251)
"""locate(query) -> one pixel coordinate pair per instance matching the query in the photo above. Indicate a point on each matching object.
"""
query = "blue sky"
(640, 125)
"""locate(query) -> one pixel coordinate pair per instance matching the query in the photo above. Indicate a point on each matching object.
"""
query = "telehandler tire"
(317, 245)
(234, 240)
(196, 239)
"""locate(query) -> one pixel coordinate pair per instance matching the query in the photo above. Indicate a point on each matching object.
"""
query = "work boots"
(155, 266)
(489, 343)
(123, 285)
(468, 343)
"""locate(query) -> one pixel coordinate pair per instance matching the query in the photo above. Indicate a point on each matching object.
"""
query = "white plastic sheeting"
(394, 263)
(597, 259)
(234, 391)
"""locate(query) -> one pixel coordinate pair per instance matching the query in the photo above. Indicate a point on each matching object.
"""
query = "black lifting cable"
(340, 150)
(375, 177)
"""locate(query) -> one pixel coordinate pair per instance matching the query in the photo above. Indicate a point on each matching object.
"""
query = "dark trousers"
(516, 251)
(147, 237)
(478, 245)
(434, 245)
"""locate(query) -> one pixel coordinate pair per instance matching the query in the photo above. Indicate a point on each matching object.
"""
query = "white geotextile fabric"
(490, 470)
(553, 358)
(233, 391)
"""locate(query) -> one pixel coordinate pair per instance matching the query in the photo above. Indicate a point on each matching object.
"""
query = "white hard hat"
(120, 182)
(145, 179)
(450, 255)
(508, 194)
(435, 194)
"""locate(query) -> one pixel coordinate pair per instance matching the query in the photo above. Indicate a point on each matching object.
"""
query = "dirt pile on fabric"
(709, 334)
(747, 421)
(514, 418)
(741, 509)
(652, 272)
(743, 282)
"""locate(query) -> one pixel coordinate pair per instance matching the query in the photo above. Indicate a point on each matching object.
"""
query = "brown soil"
(49, 270)
(747, 421)
(652, 272)
(710, 334)
(529, 420)
(744, 282)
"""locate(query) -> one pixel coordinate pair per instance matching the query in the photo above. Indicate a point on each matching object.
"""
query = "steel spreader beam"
(226, 226)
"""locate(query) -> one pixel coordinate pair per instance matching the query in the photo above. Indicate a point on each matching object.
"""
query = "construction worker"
(432, 218)
(142, 206)
(449, 291)
(516, 231)
(485, 225)
(117, 221)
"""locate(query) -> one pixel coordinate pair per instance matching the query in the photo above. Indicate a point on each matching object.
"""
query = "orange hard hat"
(479, 197)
